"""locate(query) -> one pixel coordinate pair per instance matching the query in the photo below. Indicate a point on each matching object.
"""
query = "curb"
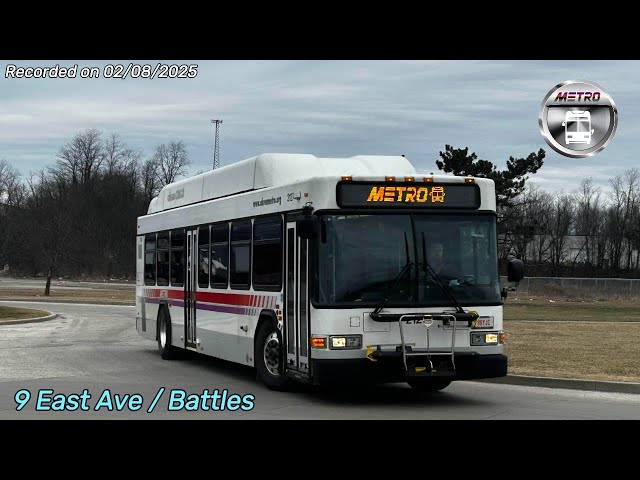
(568, 383)
(29, 320)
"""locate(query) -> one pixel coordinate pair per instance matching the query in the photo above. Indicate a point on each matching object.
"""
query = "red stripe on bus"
(242, 299)
(226, 298)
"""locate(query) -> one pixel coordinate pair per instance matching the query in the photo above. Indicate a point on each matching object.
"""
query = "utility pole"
(216, 148)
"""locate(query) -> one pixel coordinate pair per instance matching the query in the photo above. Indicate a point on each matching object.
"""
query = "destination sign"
(408, 195)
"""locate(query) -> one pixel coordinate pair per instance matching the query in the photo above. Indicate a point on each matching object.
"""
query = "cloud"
(327, 108)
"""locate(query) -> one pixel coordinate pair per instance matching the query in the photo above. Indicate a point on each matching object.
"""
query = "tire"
(167, 351)
(428, 384)
(269, 357)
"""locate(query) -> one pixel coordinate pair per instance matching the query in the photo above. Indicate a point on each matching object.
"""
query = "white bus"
(326, 269)
(577, 127)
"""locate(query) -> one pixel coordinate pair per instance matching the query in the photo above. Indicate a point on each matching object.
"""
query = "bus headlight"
(345, 342)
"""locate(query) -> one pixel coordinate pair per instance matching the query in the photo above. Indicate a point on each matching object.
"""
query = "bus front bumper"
(469, 366)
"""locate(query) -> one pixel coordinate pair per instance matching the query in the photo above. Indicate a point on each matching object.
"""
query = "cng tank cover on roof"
(273, 169)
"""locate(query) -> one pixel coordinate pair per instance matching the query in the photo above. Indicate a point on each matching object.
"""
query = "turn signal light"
(409, 179)
(428, 179)
(318, 342)
(346, 178)
(469, 180)
(503, 337)
(390, 179)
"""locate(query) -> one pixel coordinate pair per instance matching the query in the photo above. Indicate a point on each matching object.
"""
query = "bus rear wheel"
(269, 357)
(167, 351)
(428, 384)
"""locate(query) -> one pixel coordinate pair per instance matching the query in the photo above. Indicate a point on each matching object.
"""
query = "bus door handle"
(244, 328)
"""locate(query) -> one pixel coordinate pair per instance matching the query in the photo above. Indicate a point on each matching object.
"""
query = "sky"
(325, 108)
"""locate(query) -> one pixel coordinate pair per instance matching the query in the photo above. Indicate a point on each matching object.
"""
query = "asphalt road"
(97, 348)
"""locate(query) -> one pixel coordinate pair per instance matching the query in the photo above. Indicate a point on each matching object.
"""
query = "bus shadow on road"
(235, 371)
(341, 394)
(388, 394)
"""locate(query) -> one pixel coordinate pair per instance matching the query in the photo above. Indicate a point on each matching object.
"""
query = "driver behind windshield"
(441, 264)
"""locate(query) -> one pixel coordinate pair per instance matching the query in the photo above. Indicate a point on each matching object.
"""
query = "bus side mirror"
(308, 227)
(563, 124)
(592, 131)
(515, 270)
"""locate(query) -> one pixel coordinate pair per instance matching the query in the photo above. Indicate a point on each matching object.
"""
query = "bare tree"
(541, 217)
(78, 216)
(82, 157)
(172, 161)
(149, 180)
(561, 222)
(632, 179)
(9, 179)
(130, 167)
(114, 152)
(12, 194)
(623, 196)
(588, 218)
(49, 219)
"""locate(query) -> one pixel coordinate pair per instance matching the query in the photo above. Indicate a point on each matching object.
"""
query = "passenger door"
(190, 290)
(296, 334)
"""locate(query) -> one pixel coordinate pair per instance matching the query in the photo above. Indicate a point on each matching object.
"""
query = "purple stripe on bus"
(202, 306)
(221, 308)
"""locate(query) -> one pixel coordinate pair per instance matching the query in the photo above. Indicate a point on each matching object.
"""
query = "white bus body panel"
(326, 322)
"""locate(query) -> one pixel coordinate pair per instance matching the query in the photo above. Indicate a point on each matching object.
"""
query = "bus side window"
(150, 259)
(203, 257)
(177, 266)
(162, 258)
(267, 253)
(219, 257)
(241, 255)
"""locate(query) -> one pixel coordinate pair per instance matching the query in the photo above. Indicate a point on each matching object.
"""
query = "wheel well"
(265, 316)
(163, 306)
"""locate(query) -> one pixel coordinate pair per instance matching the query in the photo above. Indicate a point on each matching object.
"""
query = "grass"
(102, 295)
(14, 313)
(595, 349)
(587, 311)
(592, 351)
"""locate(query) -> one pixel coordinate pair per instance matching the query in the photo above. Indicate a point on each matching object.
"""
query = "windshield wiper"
(397, 279)
(428, 269)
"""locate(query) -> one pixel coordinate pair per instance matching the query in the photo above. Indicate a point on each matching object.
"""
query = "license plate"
(483, 322)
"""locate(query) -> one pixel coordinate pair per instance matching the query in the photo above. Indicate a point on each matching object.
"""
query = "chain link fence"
(578, 287)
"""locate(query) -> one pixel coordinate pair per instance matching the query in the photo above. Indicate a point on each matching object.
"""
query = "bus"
(577, 127)
(324, 270)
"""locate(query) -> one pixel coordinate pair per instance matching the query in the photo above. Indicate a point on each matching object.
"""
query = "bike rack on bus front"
(427, 320)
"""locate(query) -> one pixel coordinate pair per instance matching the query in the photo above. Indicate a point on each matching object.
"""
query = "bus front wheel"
(269, 357)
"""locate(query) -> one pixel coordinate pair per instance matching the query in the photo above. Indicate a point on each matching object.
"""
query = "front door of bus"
(296, 323)
(190, 285)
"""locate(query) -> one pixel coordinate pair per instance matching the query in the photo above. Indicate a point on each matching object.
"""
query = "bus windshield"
(360, 256)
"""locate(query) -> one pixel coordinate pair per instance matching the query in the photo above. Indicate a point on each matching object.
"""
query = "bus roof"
(270, 170)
